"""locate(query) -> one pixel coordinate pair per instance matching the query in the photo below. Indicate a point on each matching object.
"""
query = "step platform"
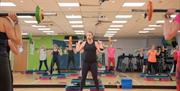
(162, 77)
(77, 81)
(77, 88)
(47, 76)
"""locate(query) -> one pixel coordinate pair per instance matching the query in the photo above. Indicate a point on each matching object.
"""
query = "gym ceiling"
(98, 16)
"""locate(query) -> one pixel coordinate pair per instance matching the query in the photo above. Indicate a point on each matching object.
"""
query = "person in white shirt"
(43, 57)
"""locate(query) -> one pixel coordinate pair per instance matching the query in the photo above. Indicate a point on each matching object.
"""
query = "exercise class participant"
(175, 57)
(90, 63)
(111, 55)
(152, 61)
(70, 53)
(43, 57)
(145, 61)
(55, 58)
(10, 38)
(170, 30)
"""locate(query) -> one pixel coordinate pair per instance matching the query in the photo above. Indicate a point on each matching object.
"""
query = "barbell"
(39, 14)
(150, 10)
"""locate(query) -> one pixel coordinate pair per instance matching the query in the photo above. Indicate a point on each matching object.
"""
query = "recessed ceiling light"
(26, 21)
(123, 16)
(149, 28)
(113, 29)
(75, 22)
(119, 21)
(69, 4)
(133, 4)
(77, 26)
(143, 31)
(37, 26)
(154, 25)
(44, 28)
(7, 4)
(73, 16)
(24, 16)
(116, 25)
(48, 31)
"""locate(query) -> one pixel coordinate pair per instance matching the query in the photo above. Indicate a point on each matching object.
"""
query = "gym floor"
(62, 89)
(20, 78)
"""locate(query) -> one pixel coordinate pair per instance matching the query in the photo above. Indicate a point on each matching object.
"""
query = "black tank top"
(55, 53)
(70, 53)
(4, 42)
(90, 52)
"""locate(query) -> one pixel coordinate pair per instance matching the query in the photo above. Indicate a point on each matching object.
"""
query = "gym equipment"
(46, 76)
(126, 83)
(160, 77)
(150, 10)
(77, 88)
(39, 14)
(76, 81)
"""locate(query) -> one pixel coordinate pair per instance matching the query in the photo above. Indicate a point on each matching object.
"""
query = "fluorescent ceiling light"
(75, 22)
(79, 31)
(77, 26)
(160, 21)
(143, 31)
(24, 34)
(48, 31)
(24, 16)
(116, 25)
(111, 32)
(73, 16)
(113, 29)
(7, 4)
(37, 26)
(119, 21)
(69, 4)
(44, 28)
(30, 22)
(133, 4)
(123, 16)
(154, 25)
(149, 28)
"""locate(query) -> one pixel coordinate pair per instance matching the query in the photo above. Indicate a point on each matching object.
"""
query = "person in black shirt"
(90, 48)
(55, 59)
(10, 39)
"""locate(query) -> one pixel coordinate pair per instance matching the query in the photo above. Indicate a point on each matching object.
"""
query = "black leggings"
(151, 66)
(55, 60)
(71, 60)
(6, 80)
(45, 63)
(93, 68)
(175, 62)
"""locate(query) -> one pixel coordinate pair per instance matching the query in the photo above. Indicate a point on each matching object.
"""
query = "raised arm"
(80, 46)
(171, 28)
